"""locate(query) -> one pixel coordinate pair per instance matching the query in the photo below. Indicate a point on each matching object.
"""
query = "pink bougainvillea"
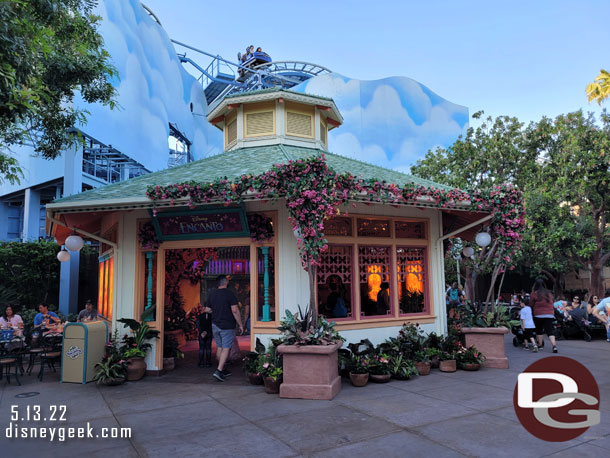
(314, 193)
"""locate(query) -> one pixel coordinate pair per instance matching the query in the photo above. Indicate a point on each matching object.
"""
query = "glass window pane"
(373, 227)
(338, 226)
(374, 275)
(410, 229)
(334, 282)
(266, 282)
(411, 265)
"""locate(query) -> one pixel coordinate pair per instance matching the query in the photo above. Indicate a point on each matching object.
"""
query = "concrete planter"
(422, 368)
(310, 371)
(448, 365)
(490, 342)
(136, 368)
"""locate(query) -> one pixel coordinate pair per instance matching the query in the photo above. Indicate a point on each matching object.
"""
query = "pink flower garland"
(313, 193)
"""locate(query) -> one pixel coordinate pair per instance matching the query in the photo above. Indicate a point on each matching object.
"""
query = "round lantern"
(468, 251)
(63, 256)
(74, 243)
(483, 239)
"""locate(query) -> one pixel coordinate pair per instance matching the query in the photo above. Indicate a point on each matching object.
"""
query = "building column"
(68, 275)
(4, 219)
(31, 216)
(68, 284)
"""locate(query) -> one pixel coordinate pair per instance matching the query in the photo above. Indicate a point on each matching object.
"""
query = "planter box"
(310, 371)
(490, 342)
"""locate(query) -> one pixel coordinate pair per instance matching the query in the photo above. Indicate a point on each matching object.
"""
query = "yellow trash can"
(84, 345)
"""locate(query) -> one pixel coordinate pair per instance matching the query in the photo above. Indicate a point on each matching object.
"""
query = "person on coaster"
(88, 313)
(541, 301)
(225, 316)
(601, 311)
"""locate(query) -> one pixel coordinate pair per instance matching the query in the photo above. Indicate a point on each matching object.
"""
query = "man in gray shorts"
(225, 316)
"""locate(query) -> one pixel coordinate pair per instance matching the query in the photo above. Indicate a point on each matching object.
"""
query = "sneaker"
(535, 348)
(587, 337)
(554, 348)
(218, 376)
(226, 373)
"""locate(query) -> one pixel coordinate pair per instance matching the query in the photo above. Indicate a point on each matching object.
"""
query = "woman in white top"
(10, 319)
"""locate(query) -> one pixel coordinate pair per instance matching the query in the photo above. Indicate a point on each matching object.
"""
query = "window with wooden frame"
(388, 273)
(105, 286)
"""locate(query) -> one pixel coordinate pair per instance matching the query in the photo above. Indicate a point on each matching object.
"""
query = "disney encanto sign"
(200, 224)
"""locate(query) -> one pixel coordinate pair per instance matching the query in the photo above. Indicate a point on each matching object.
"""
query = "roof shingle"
(242, 161)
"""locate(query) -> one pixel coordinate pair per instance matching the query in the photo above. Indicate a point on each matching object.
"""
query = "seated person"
(88, 313)
(576, 321)
(42, 321)
(44, 317)
(593, 301)
(602, 310)
(10, 319)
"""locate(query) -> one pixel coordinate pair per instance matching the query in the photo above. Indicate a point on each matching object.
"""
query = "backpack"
(454, 294)
(340, 310)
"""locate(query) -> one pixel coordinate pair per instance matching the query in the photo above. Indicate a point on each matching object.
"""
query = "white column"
(73, 170)
(68, 275)
(31, 215)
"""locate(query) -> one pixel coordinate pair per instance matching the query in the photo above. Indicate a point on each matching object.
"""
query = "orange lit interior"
(413, 281)
(105, 288)
(374, 281)
(100, 291)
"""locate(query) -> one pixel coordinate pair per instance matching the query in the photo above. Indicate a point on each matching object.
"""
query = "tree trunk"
(596, 284)
(501, 283)
(311, 273)
(494, 277)
(469, 282)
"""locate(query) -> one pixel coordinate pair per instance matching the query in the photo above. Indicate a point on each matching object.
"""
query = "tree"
(492, 154)
(599, 90)
(574, 154)
(49, 49)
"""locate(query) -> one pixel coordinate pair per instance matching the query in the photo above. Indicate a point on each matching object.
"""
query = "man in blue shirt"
(44, 317)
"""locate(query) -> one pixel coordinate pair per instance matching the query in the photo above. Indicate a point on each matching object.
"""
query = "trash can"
(84, 346)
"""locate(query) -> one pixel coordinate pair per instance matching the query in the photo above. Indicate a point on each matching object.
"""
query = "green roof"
(242, 161)
(274, 89)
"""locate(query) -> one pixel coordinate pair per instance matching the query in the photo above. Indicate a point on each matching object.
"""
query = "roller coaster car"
(257, 58)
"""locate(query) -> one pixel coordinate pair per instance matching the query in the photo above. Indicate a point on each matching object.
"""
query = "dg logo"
(557, 399)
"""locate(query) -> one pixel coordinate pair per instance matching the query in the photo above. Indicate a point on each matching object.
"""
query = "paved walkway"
(188, 414)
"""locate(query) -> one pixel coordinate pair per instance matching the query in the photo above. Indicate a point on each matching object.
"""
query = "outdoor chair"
(51, 352)
(11, 357)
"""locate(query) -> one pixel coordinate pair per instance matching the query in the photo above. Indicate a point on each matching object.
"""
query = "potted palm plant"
(309, 349)
(136, 345)
(113, 368)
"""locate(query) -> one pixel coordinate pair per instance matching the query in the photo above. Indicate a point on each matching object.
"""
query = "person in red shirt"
(541, 301)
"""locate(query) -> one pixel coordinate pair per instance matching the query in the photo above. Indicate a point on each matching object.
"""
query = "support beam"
(465, 228)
